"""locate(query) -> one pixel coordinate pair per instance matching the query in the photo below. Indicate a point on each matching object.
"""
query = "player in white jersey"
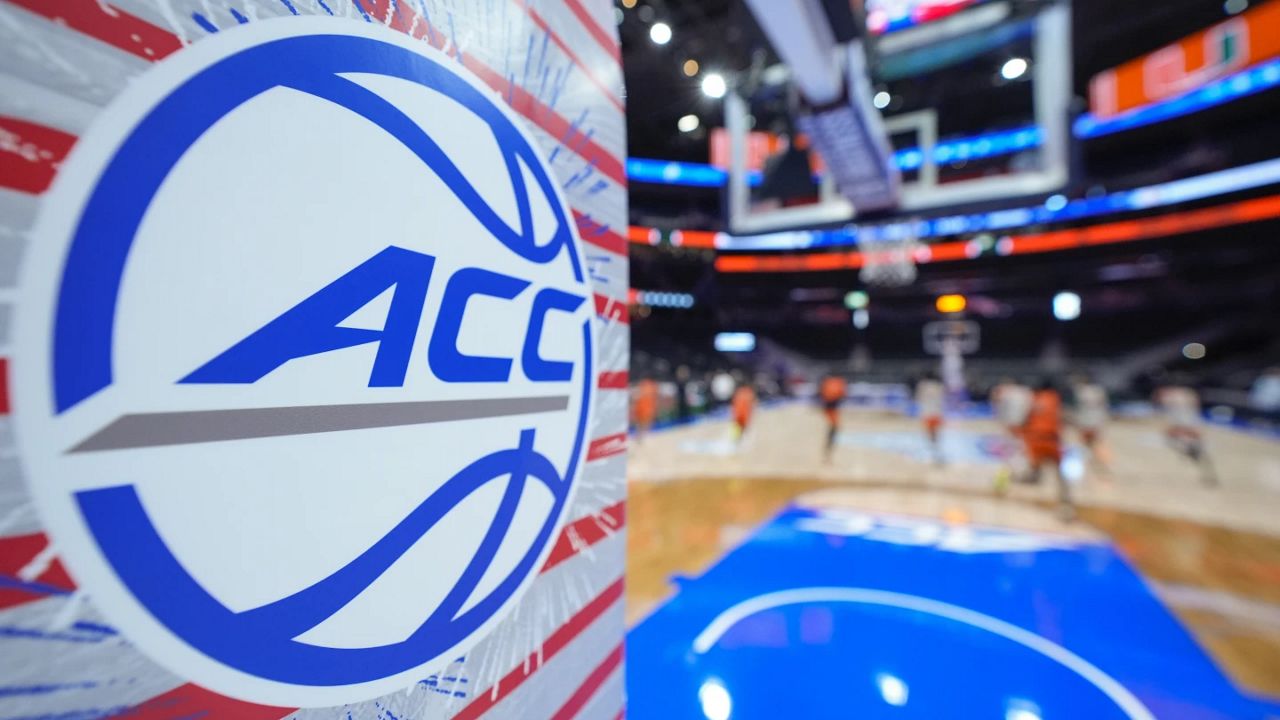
(930, 399)
(1181, 407)
(1010, 403)
(1093, 410)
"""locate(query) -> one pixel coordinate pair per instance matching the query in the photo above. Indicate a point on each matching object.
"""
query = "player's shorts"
(1042, 448)
(932, 423)
(831, 408)
(1089, 435)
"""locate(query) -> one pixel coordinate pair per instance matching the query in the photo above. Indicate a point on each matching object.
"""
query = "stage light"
(1055, 203)
(951, 303)
(1193, 351)
(881, 100)
(861, 318)
(688, 123)
(1013, 68)
(856, 300)
(892, 689)
(628, 3)
(713, 85)
(1066, 306)
(660, 33)
(690, 67)
(715, 700)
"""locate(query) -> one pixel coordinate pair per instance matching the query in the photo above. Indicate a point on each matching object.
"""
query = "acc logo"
(311, 362)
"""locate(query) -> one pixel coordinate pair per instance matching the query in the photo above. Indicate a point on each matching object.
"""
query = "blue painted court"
(837, 614)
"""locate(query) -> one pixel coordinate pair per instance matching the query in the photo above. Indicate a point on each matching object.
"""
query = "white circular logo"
(310, 361)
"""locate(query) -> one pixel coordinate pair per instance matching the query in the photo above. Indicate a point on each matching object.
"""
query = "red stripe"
(544, 117)
(32, 155)
(599, 234)
(191, 700)
(579, 699)
(4, 386)
(115, 27)
(612, 380)
(554, 644)
(16, 552)
(596, 32)
(88, 18)
(520, 99)
(607, 446)
(585, 532)
(591, 76)
(610, 309)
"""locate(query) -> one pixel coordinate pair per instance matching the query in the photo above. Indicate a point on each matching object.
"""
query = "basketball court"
(862, 582)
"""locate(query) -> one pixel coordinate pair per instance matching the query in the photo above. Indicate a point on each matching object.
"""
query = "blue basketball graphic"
(477, 363)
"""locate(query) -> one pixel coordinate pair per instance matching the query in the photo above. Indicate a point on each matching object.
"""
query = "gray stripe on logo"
(202, 426)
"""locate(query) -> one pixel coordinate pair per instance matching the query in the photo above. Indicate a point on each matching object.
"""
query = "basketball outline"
(41, 278)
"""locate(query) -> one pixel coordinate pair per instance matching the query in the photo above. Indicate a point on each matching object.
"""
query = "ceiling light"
(628, 3)
(660, 33)
(1066, 306)
(690, 67)
(1013, 68)
(688, 123)
(881, 100)
(713, 85)
(861, 318)
(1193, 351)
(1235, 7)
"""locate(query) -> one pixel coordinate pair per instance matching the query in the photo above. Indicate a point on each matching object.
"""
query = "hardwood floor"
(693, 497)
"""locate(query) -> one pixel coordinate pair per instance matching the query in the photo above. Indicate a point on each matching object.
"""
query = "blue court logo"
(319, 366)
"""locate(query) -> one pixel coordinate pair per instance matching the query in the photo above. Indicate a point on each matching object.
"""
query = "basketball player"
(1181, 408)
(645, 407)
(1092, 412)
(743, 405)
(930, 398)
(832, 392)
(1010, 402)
(1042, 433)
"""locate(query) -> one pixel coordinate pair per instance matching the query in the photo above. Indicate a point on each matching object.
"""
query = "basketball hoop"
(890, 261)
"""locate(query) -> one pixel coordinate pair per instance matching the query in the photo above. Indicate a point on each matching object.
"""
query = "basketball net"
(889, 262)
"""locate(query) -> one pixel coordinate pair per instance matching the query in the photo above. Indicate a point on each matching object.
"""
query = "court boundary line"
(1109, 686)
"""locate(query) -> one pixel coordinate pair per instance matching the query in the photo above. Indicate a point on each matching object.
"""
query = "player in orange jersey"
(832, 392)
(644, 407)
(743, 405)
(1042, 433)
